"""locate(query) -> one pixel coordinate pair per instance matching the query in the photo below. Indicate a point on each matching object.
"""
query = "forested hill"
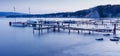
(102, 11)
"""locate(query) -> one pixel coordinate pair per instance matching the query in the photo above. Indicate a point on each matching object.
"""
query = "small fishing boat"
(106, 34)
(114, 39)
(31, 21)
(18, 24)
(99, 39)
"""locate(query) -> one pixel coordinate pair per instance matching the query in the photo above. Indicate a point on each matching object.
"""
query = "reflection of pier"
(67, 25)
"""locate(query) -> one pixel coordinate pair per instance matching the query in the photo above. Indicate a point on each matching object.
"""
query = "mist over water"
(20, 41)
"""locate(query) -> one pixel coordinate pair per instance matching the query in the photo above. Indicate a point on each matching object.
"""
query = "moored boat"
(106, 34)
(99, 39)
(18, 24)
(114, 39)
(31, 21)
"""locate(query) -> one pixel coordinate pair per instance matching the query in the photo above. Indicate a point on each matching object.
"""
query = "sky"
(51, 6)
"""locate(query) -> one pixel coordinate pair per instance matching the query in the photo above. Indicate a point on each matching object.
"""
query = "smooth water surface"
(18, 41)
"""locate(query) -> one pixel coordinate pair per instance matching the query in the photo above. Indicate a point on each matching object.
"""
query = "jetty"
(72, 25)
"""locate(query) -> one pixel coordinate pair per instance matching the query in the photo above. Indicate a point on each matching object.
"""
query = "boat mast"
(29, 12)
(14, 13)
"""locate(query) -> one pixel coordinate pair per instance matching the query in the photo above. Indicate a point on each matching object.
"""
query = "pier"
(71, 25)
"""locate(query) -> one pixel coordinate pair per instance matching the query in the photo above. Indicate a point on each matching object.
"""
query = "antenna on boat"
(29, 12)
(14, 13)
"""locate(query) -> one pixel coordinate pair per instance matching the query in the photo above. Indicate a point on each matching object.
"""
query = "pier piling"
(114, 30)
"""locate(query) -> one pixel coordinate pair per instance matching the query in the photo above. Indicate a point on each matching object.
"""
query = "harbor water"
(21, 41)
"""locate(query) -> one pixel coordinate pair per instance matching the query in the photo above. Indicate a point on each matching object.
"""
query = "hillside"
(4, 14)
(102, 11)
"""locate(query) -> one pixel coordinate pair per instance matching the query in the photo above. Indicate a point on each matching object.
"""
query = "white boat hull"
(18, 24)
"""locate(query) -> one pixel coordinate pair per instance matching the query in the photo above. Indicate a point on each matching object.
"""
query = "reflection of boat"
(114, 39)
(18, 24)
(99, 39)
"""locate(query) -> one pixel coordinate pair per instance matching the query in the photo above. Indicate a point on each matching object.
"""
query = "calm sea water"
(17, 41)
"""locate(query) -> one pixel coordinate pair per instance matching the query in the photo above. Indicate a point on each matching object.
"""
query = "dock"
(67, 25)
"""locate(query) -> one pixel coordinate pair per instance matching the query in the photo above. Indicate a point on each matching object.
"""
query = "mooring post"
(33, 30)
(78, 31)
(77, 23)
(63, 26)
(58, 24)
(89, 32)
(102, 22)
(10, 23)
(114, 30)
(69, 27)
(69, 30)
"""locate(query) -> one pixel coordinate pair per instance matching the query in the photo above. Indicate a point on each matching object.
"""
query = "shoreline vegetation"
(101, 11)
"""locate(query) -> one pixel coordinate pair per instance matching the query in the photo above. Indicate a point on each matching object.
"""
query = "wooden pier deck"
(57, 26)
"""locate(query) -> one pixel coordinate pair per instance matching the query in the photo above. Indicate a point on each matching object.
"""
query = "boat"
(18, 24)
(114, 39)
(106, 34)
(99, 39)
(31, 21)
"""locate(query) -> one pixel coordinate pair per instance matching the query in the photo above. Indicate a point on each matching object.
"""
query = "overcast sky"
(50, 6)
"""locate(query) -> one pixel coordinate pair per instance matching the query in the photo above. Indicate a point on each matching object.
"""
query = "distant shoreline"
(102, 11)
